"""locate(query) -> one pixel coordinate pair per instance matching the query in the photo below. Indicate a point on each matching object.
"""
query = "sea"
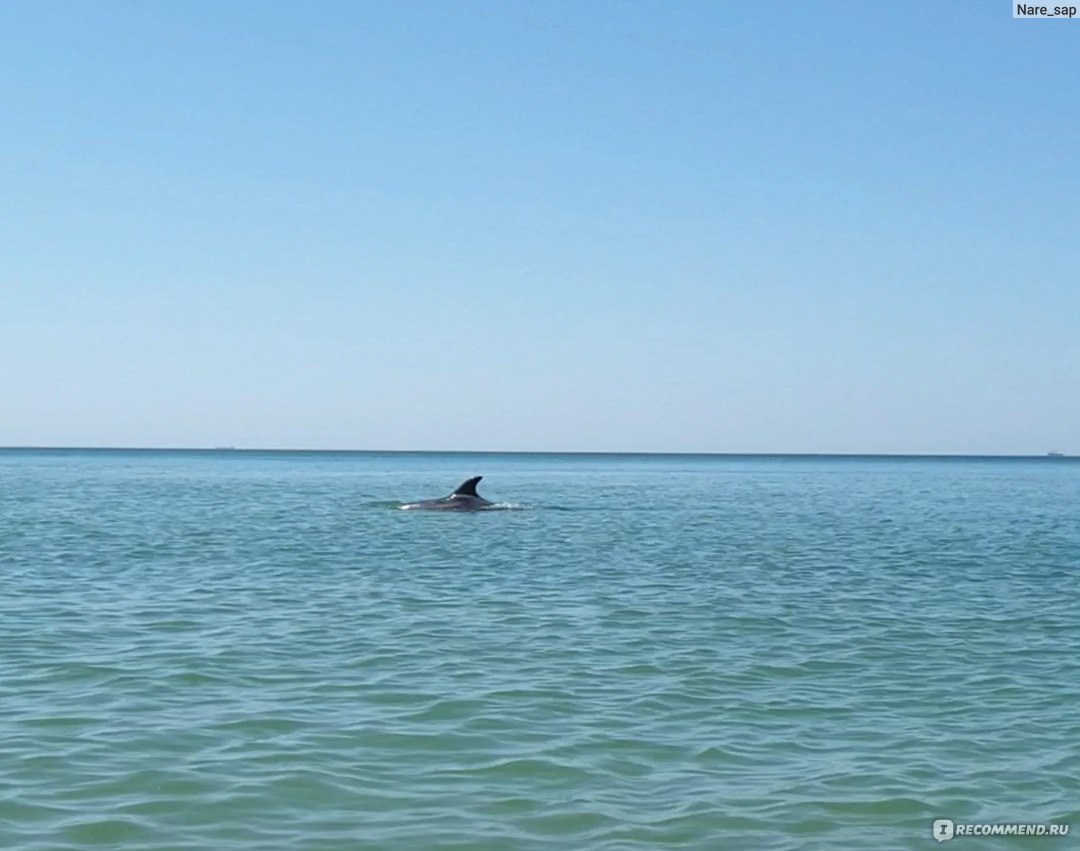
(249, 651)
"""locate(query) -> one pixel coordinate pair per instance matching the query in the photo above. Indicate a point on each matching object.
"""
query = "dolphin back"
(463, 498)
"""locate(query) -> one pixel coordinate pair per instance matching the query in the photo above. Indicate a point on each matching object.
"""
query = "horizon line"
(253, 449)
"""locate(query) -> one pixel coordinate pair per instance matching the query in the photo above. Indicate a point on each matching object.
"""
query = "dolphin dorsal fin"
(467, 487)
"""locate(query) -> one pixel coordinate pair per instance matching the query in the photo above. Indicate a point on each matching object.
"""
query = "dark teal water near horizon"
(256, 650)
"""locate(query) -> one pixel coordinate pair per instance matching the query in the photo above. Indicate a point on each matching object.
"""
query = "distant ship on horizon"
(1055, 453)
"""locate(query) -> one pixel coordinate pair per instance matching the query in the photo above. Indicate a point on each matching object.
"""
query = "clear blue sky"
(658, 226)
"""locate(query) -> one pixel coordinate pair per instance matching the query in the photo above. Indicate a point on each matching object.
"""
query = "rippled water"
(258, 651)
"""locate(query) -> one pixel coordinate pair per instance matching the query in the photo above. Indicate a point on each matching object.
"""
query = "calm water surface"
(251, 651)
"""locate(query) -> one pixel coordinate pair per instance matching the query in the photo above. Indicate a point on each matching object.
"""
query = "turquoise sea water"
(250, 651)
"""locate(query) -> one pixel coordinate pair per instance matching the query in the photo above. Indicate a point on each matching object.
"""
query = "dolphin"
(464, 498)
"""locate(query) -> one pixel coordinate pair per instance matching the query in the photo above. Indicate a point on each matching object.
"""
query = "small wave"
(495, 506)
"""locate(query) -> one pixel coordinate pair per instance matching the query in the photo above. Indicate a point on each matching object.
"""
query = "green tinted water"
(257, 651)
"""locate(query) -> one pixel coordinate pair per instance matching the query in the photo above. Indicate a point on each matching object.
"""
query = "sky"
(540, 226)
